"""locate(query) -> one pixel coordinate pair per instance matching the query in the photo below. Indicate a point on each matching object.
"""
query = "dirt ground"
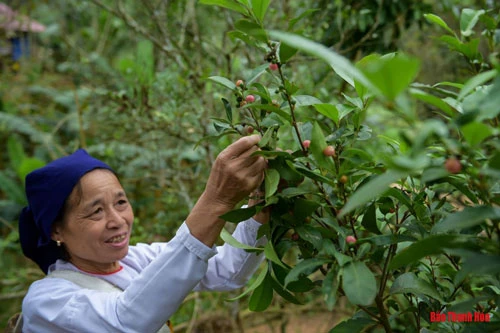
(301, 323)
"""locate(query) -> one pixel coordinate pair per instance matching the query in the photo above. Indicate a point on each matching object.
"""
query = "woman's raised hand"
(236, 172)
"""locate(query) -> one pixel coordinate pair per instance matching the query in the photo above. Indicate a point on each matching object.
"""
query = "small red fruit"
(329, 151)
(273, 67)
(249, 129)
(350, 239)
(453, 165)
(343, 179)
(306, 143)
(239, 83)
(250, 98)
(295, 236)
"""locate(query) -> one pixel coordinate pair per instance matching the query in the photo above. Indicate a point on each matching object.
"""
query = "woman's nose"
(114, 218)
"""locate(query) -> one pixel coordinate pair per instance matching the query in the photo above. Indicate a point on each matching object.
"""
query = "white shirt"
(155, 278)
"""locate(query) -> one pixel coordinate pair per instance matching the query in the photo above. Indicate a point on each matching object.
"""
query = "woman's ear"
(56, 234)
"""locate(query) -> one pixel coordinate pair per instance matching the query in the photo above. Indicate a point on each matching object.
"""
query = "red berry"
(239, 83)
(249, 129)
(250, 98)
(453, 165)
(329, 151)
(273, 66)
(295, 236)
(350, 239)
(306, 143)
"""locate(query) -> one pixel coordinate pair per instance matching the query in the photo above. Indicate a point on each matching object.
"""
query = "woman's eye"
(97, 211)
(122, 202)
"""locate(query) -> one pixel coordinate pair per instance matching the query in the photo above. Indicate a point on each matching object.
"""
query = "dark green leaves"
(371, 190)
(359, 283)
(467, 218)
(410, 283)
(431, 245)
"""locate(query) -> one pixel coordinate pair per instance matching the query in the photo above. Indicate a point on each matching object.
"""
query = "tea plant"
(388, 194)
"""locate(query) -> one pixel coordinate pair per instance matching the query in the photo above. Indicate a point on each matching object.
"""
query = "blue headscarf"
(47, 189)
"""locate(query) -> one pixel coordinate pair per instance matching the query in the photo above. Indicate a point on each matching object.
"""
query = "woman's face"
(96, 228)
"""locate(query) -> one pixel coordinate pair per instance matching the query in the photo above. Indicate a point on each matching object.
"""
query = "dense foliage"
(382, 189)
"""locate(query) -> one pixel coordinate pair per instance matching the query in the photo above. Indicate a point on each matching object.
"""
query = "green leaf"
(304, 268)
(255, 73)
(262, 296)
(328, 110)
(478, 264)
(370, 219)
(268, 135)
(258, 281)
(392, 75)
(468, 20)
(431, 245)
(223, 82)
(16, 152)
(410, 283)
(475, 132)
(286, 52)
(469, 217)
(306, 100)
(240, 214)
(341, 65)
(271, 181)
(229, 111)
(476, 81)
(229, 4)
(303, 14)
(28, 165)
(271, 254)
(313, 175)
(330, 287)
(283, 292)
(433, 100)
(352, 325)
(260, 8)
(251, 29)
(359, 283)
(311, 235)
(318, 144)
(303, 208)
(12, 189)
(439, 21)
(229, 239)
(371, 190)
(383, 240)
(342, 259)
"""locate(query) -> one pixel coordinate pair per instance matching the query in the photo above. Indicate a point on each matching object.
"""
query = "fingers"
(242, 145)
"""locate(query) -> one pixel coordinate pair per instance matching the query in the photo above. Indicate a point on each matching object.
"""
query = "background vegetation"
(128, 80)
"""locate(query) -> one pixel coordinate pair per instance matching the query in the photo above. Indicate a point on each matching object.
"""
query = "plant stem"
(383, 314)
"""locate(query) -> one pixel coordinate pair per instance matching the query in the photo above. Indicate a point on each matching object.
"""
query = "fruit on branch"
(343, 179)
(453, 165)
(249, 129)
(350, 239)
(329, 151)
(306, 144)
(250, 99)
(273, 66)
(239, 83)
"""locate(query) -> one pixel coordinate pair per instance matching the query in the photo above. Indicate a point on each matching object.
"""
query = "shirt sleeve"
(57, 305)
(231, 268)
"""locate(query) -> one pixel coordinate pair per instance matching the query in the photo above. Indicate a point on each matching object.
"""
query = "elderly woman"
(77, 228)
